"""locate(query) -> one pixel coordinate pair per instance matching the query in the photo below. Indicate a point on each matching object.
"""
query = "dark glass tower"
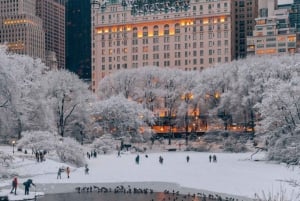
(295, 15)
(78, 38)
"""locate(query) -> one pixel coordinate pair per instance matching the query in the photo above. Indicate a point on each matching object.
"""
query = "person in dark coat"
(27, 185)
(187, 159)
(59, 173)
(137, 159)
(14, 185)
(214, 158)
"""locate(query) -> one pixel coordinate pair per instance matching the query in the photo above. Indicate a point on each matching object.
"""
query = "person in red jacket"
(68, 172)
(14, 185)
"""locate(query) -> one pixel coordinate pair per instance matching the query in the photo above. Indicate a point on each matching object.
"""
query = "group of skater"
(91, 154)
(212, 158)
(60, 170)
(40, 156)
(27, 184)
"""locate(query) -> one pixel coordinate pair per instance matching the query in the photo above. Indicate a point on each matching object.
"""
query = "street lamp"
(13, 143)
(187, 97)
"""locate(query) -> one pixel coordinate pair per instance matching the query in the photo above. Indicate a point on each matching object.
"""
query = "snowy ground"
(233, 174)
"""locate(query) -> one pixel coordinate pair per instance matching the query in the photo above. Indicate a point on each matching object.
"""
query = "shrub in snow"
(105, 144)
(70, 151)
(67, 149)
(38, 141)
(199, 148)
(282, 195)
(233, 145)
(5, 161)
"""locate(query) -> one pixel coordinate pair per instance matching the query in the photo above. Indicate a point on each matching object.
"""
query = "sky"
(233, 174)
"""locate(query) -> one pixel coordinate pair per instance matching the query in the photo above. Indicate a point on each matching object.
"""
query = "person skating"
(214, 158)
(27, 185)
(137, 159)
(86, 169)
(187, 159)
(14, 185)
(59, 173)
(68, 172)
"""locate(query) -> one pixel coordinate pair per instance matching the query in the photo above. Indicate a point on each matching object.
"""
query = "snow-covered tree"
(19, 77)
(68, 100)
(123, 118)
(122, 82)
(280, 114)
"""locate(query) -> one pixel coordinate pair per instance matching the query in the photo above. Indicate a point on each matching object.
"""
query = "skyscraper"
(244, 14)
(52, 13)
(273, 33)
(295, 15)
(21, 29)
(78, 37)
(188, 35)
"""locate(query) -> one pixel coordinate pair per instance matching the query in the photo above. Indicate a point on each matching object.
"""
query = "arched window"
(166, 29)
(155, 30)
(135, 32)
(145, 31)
(177, 28)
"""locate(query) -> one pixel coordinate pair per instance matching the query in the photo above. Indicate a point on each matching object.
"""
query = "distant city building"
(188, 35)
(273, 34)
(267, 7)
(52, 13)
(78, 37)
(20, 29)
(244, 14)
(295, 20)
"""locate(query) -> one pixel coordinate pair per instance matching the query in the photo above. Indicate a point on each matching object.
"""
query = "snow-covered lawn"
(232, 174)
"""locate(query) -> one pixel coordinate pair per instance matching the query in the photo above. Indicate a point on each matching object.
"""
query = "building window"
(145, 31)
(201, 52)
(177, 28)
(155, 31)
(166, 29)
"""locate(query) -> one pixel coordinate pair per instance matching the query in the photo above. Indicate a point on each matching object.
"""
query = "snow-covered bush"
(233, 145)
(282, 195)
(5, 159)
(38, 141)
(105, 144)
(70, 151)
(67, 149)
(5, 162)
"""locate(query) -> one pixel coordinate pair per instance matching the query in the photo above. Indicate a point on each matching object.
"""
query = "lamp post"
(13, 144)
(187, 98)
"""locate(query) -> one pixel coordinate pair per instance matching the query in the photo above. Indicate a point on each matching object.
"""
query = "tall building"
(295, 15)
(273, 34)
(21, 29)
(78, 37)
(52, 13)
(244, 14)
(189, 35)
(295, 20)
(267, 7)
